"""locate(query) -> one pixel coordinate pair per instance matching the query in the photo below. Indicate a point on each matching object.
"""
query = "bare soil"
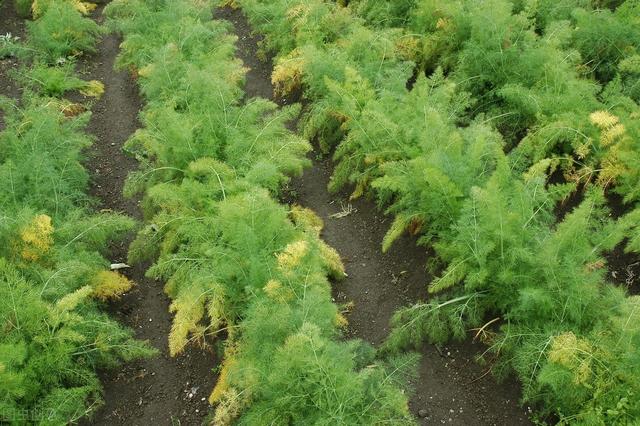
(451, 389)
(623, 268)
(161, 390)
(9, 23)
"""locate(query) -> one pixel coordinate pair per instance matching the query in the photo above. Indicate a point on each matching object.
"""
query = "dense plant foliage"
(62, 31)
(236, 261)
(36, 8)
(519, 94)
(53, 276)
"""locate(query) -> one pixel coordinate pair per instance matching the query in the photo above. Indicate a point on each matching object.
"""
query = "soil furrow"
(452, 388)
(10, 23)
(161, 390)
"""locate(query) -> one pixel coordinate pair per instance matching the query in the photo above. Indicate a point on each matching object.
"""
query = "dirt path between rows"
(10, 23)
(161, 390)
(452, 389)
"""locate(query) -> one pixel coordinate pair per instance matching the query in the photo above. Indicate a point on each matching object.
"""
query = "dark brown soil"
(258, 77)
(9, 23)
(452, 388)
(624, 268)
(161, 390)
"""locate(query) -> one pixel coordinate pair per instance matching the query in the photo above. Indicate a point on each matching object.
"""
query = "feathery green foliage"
(548, 284)
(234, 259)
(558, 81)
(10, 45)
(61, 32)
(49, 260)
(40, 157)
(52, 81)
(604, 38)
(385, 13)
(52, 271)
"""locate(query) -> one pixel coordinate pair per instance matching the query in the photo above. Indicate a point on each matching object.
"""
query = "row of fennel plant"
(434, 156)
(54, 278)
(236, 262)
